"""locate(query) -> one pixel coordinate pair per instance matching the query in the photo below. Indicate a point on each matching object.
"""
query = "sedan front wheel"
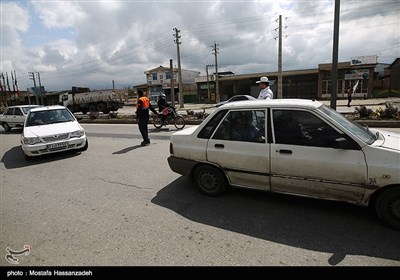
(387, 207)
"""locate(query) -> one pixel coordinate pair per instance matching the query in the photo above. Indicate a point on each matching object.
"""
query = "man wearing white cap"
(266, 92)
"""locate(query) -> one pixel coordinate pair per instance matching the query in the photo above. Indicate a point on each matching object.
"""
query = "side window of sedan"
(10, 112)
(209, 128)
(246, 126)
(302, 128)
(18, 112)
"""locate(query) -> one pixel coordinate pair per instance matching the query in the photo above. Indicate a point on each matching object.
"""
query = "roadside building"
(296, 84)
(392, 75)
(361, 70)
(308, 83)
(159, 81)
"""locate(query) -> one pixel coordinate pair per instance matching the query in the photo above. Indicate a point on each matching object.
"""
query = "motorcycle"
(170, 114)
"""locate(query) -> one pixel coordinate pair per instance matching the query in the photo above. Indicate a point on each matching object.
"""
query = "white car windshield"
(49, 117)
(26, 109)
(361, 132)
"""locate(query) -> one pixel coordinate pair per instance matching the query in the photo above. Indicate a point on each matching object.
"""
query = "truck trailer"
(82, 99)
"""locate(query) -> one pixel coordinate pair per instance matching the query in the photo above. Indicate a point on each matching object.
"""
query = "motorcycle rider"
(163, 104)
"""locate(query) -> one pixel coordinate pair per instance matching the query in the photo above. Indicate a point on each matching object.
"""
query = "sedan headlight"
(30, 140)
(77, 134)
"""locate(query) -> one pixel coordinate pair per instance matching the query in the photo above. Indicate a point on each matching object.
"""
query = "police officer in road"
(142, 113)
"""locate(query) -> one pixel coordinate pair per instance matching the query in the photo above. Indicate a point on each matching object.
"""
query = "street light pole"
(335, 54)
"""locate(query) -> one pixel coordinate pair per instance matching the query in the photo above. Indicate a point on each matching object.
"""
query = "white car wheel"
(210, 180)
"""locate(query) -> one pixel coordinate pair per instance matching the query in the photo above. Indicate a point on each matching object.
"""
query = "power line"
(207, 31)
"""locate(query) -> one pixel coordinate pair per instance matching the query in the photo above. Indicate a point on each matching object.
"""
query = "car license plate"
(57, 145)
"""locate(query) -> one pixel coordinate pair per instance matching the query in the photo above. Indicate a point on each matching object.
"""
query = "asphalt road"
(119, 204)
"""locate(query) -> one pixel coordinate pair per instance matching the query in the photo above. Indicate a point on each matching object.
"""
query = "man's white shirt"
(266, 94)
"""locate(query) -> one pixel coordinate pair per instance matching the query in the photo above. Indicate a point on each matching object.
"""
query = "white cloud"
(91, 43)
(58, 14)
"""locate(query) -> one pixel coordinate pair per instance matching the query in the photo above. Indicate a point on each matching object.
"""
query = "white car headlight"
(78, 133)
(30, 140)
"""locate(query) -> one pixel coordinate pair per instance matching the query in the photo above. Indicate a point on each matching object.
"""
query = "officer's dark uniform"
(142, 113)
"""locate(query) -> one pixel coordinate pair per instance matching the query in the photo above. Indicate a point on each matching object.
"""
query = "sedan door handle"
(219, 146)
(289, 152)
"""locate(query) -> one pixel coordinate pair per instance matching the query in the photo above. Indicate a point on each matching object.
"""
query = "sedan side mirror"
(345, 144)
(340, 143)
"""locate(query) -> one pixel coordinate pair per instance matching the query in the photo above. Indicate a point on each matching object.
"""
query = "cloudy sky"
(91, 43)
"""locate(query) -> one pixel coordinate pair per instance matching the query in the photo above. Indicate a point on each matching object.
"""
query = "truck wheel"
(387, 207)
(6, 127)
(92, 108)
(84, 111)
(101, 107)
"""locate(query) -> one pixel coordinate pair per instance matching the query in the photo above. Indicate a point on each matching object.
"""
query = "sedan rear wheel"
(387, 207)
(210, 180)
(6, 127)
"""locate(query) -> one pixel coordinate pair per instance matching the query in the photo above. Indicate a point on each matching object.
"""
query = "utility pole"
(176, 35)
(215, 50)
(280, 86)
(335, 54)
(32, 77)
(208, 86)
(280, 75)
(40, 89)
(171, 69)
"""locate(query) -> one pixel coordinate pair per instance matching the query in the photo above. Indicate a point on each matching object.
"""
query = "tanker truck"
(82, 99)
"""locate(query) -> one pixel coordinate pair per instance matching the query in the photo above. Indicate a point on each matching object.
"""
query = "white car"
(236, 98)
(293, 146)
(52, 129)
(14, 116)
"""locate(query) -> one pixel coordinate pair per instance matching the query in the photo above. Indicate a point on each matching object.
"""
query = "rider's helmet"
(163, 96)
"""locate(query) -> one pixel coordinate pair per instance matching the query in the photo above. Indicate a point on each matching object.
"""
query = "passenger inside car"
(36, 118)
(242, 126)
(243, 129)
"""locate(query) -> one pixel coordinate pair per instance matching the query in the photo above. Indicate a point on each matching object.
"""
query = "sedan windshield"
(49, 117)
(361, 132)
(27, 108)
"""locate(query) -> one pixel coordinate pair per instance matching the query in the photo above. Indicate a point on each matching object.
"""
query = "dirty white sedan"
(14, 116)
(51, 129)
(292, 146)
